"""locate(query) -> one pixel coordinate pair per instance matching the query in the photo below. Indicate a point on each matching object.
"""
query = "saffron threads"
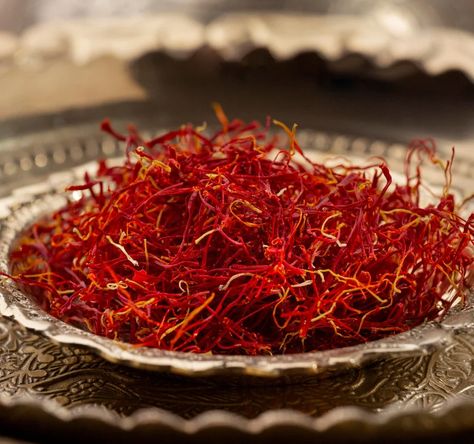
(233, 244)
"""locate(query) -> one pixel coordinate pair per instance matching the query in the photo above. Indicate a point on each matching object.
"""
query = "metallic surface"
(61, 386)
(27, 205)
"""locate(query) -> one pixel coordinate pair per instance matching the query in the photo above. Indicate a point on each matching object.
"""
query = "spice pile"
(228, 244)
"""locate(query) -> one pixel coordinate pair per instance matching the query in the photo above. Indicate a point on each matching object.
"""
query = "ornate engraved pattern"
(75, 378)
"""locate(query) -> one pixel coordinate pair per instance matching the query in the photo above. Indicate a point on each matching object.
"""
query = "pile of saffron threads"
(230, 245)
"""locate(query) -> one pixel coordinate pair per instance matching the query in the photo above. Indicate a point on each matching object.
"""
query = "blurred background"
(17, 15)
(397, 68)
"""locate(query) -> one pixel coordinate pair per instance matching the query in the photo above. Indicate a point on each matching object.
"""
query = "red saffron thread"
(230, 245)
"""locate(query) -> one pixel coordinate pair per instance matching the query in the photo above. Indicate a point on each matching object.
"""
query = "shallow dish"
(28, 204)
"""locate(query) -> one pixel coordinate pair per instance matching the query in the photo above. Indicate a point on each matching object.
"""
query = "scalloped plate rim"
(337, 417)
(16, 304)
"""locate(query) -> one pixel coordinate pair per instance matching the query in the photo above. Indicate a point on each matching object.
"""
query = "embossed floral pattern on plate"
(40, 199)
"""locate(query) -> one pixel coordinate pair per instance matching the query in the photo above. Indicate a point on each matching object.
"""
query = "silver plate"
(27, 204)
(59, 392)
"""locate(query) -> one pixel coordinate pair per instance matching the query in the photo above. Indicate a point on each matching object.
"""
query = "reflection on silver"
(30, 203)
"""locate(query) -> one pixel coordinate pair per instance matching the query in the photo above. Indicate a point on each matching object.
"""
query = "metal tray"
(65, 390)
(29, 204)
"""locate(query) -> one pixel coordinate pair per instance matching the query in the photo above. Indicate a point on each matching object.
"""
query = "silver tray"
(60, 390)
(31, 203)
